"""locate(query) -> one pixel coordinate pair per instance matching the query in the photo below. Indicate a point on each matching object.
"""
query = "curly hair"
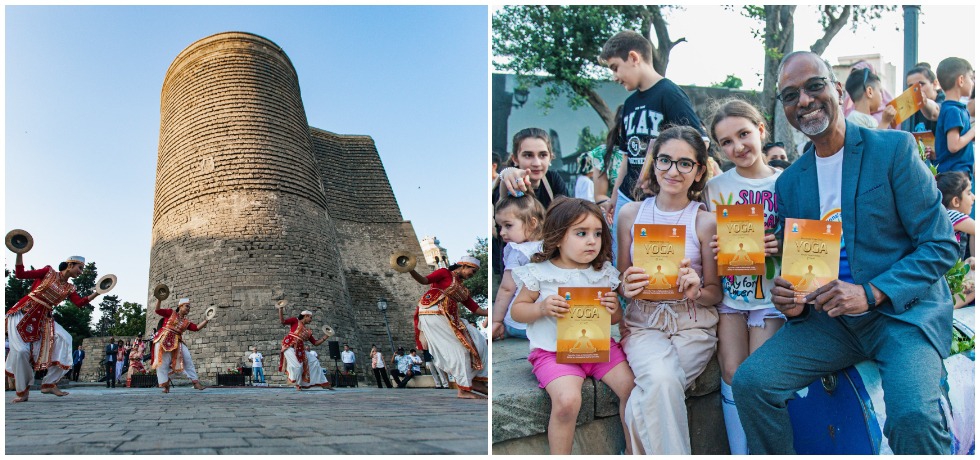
(563, 214)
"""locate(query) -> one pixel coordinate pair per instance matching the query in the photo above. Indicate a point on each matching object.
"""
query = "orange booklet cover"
(659, 249)
(741, 239)
(811, 254)
(906, 104)
(927, 137)
(583, 334)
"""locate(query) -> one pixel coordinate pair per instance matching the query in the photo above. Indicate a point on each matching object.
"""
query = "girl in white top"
(747, 316)
(576, 252)
(668, 344)
(521, 220)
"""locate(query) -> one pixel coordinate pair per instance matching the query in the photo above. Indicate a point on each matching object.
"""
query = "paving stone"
(243, 421)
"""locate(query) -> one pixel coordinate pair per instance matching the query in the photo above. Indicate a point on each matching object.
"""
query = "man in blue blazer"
(890, 302)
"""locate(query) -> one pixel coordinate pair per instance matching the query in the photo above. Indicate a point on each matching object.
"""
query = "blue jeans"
(621, 201)
(807, 349)
(258, 375)
(513, 332)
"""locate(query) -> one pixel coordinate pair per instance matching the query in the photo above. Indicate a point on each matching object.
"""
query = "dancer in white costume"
(302, 366)
(457, 348)
(37, 342)
(170, 355)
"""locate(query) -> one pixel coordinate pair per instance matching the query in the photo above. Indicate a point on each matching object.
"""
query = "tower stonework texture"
(252, 205)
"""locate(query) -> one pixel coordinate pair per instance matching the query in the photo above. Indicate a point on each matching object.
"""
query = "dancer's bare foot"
(469, 395)
(299, 388)
(53, 390)
(198, 386)
(166, 387)
(20, 399)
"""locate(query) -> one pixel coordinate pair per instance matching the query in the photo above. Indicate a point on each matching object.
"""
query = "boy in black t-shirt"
(655, 104)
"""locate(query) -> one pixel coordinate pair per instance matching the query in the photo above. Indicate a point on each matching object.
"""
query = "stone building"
(434, 253)
(253, 205)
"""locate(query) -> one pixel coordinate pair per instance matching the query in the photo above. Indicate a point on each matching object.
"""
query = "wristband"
(871, 296)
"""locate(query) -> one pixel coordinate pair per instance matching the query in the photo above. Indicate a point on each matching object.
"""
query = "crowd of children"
(655, 168)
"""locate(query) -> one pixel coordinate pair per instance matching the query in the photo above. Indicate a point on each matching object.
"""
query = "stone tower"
(252, 205)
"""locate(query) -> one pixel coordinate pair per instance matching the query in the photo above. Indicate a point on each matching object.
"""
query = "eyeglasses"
(773, 144)
(813, 87)
(684, 165)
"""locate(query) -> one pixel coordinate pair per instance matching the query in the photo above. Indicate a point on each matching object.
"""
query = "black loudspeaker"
(334, 349)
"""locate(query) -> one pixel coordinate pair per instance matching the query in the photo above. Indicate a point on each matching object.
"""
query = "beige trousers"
(667, 346)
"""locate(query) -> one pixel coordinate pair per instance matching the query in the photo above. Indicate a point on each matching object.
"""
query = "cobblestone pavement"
(363, 420)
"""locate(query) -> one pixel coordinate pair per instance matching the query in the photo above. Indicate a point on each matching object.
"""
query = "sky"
(720, 42)
(82, 115)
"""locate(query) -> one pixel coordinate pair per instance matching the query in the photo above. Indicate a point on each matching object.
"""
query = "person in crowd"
(669, 343)
(745, 321)
(170, 354)
(111, 351)
(576, 252)
(302, 369)
(495, 166)
(606, 159)
(921, 75)
(886, 96)
(438, 375)
(780, 164)
(889, 303)
(37, 341)
(77, 357)
(954, 133)
(258, 372)
(397, 367)
(135, 363)
(457, 347)
(348, 358)
(520, 221)
(584, 187)
(775, 151)
(122, 356)
(656, 103)
(378, 366)
(864, 87)
(531, 159)
(958, 201)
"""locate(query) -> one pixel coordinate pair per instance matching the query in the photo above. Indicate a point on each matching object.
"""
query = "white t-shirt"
(862, 119)
(585, 188)
(256, 359)
(743, 292)
(347, 357)
(518, 255)
(546, 278)
(830, 170)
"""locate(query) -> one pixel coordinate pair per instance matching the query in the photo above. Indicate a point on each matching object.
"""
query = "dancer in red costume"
(170, 355)
(457, 348)
(302, 367)
(37, 342)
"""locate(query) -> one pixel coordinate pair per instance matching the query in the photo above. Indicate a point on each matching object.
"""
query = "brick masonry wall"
(252, 205)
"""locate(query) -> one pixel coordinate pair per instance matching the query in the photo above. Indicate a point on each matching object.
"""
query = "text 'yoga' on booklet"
(811, 254)
(741, 240)
(583, 334)
(659, 249)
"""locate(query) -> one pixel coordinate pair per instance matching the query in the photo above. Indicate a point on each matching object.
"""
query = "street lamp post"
(383, 306)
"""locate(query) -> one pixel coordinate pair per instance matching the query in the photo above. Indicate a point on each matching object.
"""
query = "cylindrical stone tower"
(240, 217)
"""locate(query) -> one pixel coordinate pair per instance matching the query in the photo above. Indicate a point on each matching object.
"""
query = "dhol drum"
(844, 413)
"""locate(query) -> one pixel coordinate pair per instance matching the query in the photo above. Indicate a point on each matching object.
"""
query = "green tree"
(110, 315)
(16, 289)
(130, 320)
(557, 47)
(588, 141)
(77, 320)
(777, 36)
(731, 81)
(478, 284)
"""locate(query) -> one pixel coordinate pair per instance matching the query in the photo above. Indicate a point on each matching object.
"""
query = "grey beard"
(814, 127)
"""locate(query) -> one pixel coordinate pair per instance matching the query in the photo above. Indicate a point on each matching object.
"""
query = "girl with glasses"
(668, 344)
(747, 317)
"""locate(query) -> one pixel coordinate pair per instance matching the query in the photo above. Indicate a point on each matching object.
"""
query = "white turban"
(470, 262)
